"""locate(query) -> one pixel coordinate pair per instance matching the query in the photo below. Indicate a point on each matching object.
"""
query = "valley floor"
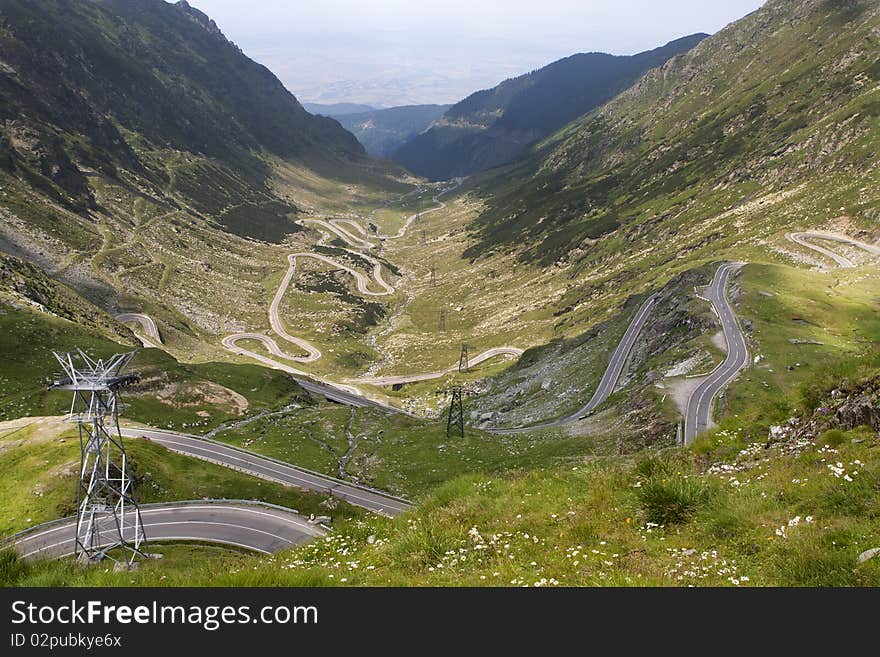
(601, 495)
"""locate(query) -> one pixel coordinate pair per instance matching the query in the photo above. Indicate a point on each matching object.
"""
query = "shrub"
(584, 532)
(671, 501)
(832, 438)
(651, 466)
(12, 567)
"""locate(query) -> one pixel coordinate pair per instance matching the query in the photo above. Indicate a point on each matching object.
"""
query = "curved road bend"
(413, 378)
(252, 526)
(361, 280)
(609, 378)
(312, 352)
(360, 243)
(698, 415)
(334, 392)
(342, 233)
(436, 199)
(802, 237)
(272, 470)
(151, 337)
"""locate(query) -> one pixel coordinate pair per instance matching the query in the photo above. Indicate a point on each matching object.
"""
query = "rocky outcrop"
(850, 406)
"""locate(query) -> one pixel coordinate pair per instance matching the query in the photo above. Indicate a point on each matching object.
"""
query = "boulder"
(868, 554)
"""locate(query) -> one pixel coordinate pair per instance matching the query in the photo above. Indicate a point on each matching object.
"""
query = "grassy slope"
(27, 338)
(838, 309)
(409, 457)
(40, 461)
(785, 519)
(783, 101)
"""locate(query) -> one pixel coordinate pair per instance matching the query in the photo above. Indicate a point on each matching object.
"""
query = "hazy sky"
(393, 52)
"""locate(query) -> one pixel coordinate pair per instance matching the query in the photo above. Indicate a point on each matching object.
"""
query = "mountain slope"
(147, 163)
(382, 131)
(493, 126)
(106, 85)
(781, 105)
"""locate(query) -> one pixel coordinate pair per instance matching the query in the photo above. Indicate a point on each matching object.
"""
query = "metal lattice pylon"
(463, 363)
(455, 419)
(107, 517)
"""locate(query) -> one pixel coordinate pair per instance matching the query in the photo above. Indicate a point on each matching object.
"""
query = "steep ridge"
(146, 73)
(777, 110)
(493, 126)
(141, 153)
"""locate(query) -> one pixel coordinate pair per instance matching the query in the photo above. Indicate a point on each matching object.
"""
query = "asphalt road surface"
(253, 526)
(698, 415)
(412, 378)
(151, 337)
(272, 470)
(334, 392)
(609, 378)
(801, 238)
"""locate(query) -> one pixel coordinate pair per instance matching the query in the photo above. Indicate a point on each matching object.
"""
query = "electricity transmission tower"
(433, 275)
(442, 319)
(463, 359)
(107, 515)
(455, 419)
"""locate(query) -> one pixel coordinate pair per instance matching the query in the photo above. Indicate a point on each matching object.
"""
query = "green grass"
(201, 560)
(837, 309)
(395, 453)
(27, 339)
(40, 481)
(774, 519)
(670, 501)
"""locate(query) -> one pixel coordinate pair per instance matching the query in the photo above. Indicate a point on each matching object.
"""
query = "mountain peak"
(201, 18)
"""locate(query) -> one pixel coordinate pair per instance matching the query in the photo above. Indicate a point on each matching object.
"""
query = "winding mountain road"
(362, 282)
(346, 394)
(802, 237)
(609, 378)
(698, 414)
(250, 525)
(151, 337)
(341, 394)
(272, 470)
(413, 378)
(436, 199)
(347, 237)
